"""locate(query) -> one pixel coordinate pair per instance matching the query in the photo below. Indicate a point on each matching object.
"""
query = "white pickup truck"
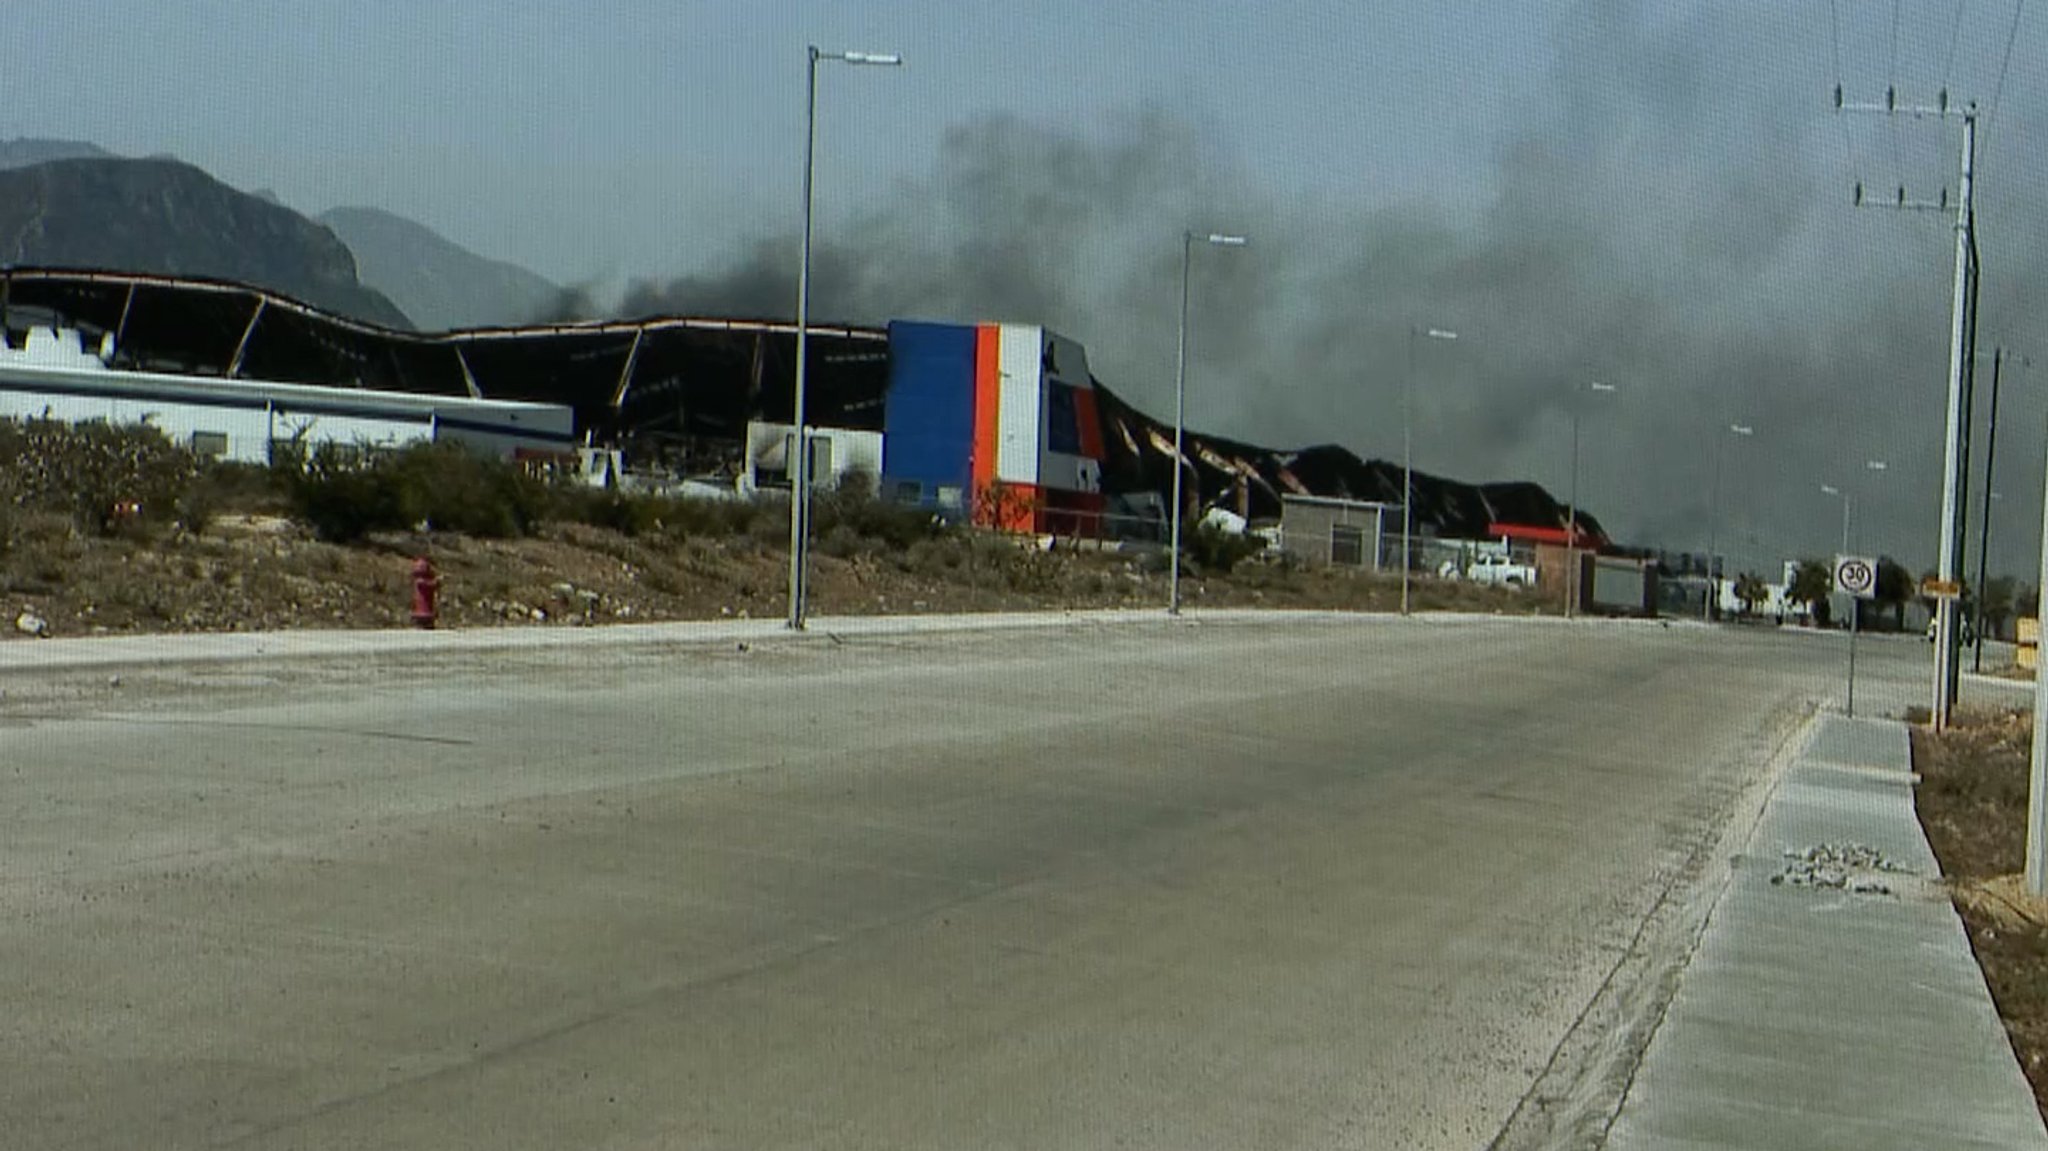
(1501, 570)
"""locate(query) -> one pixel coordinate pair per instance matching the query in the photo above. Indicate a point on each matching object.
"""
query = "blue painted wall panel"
(928, 415)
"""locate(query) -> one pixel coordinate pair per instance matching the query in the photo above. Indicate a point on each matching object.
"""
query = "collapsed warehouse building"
(676, 395)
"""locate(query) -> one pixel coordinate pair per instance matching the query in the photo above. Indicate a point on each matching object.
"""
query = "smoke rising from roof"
(1636, 229)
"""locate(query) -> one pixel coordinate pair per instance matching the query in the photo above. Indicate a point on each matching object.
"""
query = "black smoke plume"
(1642, 226)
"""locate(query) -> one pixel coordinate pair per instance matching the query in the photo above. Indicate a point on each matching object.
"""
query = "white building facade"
(53, 376)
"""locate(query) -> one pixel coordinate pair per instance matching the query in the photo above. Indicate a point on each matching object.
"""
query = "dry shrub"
(107, 478)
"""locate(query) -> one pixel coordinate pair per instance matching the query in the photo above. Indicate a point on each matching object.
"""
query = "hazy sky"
(617, 139)
(1651, 194)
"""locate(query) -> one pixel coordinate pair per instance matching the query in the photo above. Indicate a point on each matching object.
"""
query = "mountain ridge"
(167, 217)
(438, 283)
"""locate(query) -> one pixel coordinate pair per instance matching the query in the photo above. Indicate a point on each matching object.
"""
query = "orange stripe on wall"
(988, 384)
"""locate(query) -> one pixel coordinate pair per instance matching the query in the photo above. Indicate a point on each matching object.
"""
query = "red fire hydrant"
(426, 586)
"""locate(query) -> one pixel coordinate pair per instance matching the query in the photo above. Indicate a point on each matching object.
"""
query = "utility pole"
(1961, 336)
(1949, 550)
(1984, 528)
(2036, 872)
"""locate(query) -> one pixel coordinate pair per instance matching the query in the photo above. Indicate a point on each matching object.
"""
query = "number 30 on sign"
(1856, 576)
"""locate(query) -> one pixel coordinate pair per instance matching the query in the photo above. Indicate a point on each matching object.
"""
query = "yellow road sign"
(1941, 589)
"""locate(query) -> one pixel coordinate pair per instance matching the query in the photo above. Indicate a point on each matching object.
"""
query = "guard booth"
(1584, 572)
(1339, 532)
(1623, 586)
(1563, 571)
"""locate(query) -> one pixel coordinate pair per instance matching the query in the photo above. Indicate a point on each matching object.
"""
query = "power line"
(1891, 84)
(2012, 34)
(1835, 32)
(1955, 31)
(1891, 71)
(1835, 35)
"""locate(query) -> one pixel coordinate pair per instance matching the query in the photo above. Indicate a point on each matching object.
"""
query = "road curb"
(128, 651)
(98, 652)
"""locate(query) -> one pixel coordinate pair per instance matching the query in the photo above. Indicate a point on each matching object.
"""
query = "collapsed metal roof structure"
(1250, 480)
(623, 378)
(676, 380)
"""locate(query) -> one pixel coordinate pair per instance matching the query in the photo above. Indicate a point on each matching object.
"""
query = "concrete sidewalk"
(1814, 1015)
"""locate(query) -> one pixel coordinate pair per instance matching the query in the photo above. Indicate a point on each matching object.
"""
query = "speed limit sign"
(1856, 576)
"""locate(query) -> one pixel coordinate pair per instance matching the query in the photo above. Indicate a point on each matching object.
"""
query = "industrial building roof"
(676, 378)
(687, 375)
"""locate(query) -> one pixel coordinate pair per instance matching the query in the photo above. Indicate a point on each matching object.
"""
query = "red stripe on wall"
(1091, 423)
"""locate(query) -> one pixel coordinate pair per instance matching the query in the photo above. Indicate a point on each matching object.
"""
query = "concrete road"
(1211, 885)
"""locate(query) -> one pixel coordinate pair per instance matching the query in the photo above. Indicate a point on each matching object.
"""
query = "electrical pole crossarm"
(1899, 202)
(1890, 106)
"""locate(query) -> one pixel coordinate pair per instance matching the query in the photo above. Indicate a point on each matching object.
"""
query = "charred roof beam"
(121, 325)
(248, 333)
(626, 369)
(468, 377)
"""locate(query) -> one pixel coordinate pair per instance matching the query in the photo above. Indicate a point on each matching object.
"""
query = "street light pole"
(1849, 705)
(1874, 466)
(2037, 765)
(1714, 523)
(1870, 466)
(1180, 404)
(799, 468)
(1571, 535)
(1408, 457)
(1830, 489)
(1843, 495)
(1855, 601)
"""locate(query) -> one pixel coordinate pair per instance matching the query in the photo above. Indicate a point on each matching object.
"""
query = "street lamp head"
(1441, 334)
(1742, 429)
(1597, 386)
(1830, 490)
(1876, 465)
(886, 59)
(1223, 240)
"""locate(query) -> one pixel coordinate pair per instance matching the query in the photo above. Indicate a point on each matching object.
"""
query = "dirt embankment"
(109, 530)
(1973, 805)
(247, 572)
